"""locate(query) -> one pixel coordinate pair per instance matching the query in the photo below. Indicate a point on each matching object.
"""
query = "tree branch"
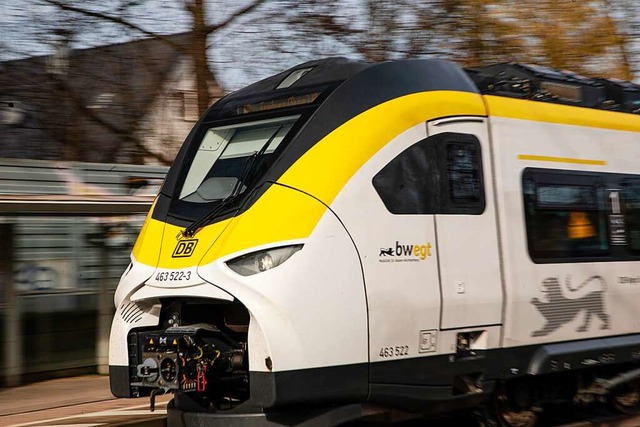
(215, 27)
(190, 6)
(116, 20)
(329, 26)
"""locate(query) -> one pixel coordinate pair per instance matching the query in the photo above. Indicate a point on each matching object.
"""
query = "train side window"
(631, 209)
(441, 174)
(565, 214)
(463, 173)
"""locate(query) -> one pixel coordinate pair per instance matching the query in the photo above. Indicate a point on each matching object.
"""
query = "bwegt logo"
(413, 252)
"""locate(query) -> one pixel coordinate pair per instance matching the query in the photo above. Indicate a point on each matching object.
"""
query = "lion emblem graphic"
(559, 309)
(386, 252)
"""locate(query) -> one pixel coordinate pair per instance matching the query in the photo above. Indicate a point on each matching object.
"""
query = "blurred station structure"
(66, 232)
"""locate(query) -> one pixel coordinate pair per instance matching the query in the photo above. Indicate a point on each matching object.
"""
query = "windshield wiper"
(259, 154)
(192, 229)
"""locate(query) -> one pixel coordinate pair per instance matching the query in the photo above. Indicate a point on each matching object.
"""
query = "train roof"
(538, 83)
(513, 80)
(356, 83)
(311, 73)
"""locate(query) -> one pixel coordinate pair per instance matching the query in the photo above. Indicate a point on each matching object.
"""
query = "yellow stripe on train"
(327, 167)
(562, 114)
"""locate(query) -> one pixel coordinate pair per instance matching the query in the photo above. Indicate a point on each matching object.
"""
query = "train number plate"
(170, 278)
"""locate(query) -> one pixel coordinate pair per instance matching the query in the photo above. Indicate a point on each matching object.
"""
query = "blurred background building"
(131, 102)
(67, 230)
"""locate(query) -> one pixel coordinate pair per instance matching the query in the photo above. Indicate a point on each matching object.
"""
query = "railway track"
(604, 421)
(558, 417)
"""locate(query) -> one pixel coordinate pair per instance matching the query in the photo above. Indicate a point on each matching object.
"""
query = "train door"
(466, 230)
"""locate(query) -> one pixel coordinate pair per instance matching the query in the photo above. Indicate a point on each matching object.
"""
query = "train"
(348, 240)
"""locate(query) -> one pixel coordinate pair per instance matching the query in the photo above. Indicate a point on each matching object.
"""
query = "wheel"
(626, 398)
(513, 407)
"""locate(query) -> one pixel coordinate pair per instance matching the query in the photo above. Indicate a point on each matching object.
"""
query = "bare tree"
(375, 30)
(472, 32)
(200, 31)
(625, 15)
(77, 121)
(577, 35)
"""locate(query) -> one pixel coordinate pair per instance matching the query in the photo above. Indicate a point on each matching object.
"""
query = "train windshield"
(229, 157)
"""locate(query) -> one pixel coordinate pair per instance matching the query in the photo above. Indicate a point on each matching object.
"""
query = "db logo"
(184, 248)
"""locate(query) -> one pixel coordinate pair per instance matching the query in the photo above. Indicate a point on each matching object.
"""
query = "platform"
(76, 401)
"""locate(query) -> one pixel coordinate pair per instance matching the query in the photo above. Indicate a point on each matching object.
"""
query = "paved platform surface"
(80, 401)
(86, 401)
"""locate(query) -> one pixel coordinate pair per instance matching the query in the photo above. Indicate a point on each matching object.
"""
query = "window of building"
(190, 106)
(441, 174)
(102, 100)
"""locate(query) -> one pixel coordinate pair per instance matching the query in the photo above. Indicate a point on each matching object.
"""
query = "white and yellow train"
(406, 235)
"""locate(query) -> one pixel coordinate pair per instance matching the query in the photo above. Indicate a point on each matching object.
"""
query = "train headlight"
(260, 261)
(264, 261)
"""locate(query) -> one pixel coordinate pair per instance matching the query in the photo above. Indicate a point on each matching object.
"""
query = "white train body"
(438, 242)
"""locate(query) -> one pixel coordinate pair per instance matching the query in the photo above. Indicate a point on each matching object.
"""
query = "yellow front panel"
(156, 235)
(280, 214)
